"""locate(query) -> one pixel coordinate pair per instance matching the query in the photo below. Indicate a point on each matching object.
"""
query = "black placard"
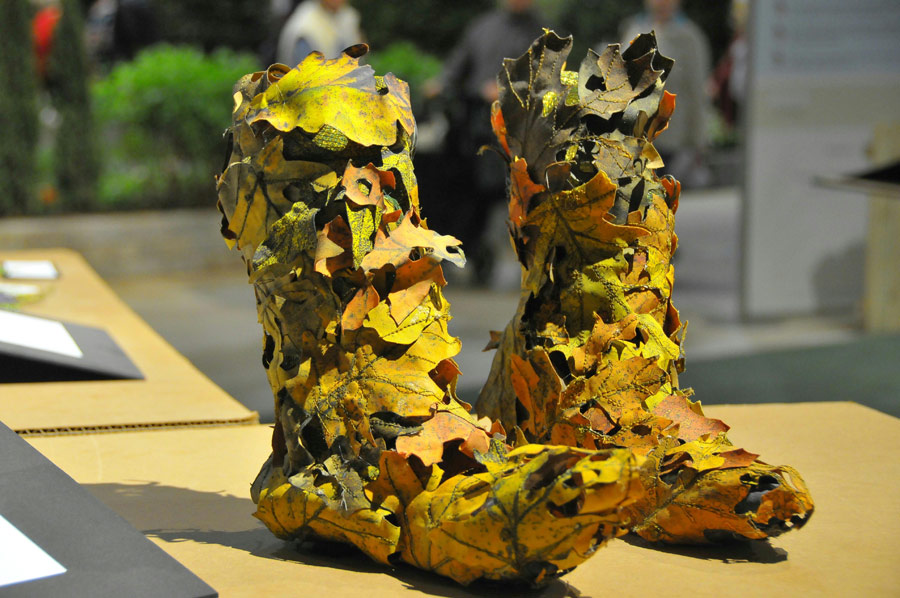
(103, 554)
(102, 359)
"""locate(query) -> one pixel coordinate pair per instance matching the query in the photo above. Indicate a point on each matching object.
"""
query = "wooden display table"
(173, 393)
(188, 490)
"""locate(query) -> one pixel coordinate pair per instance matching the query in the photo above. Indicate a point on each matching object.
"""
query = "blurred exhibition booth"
(822, 89)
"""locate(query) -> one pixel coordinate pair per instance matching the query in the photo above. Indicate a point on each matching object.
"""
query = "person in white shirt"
(685, 141)
(327, 26)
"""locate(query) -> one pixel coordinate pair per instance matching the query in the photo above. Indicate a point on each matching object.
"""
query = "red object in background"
(42, 27)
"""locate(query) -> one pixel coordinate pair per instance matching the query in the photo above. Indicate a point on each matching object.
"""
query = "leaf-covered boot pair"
(371, 447)
(591, 357)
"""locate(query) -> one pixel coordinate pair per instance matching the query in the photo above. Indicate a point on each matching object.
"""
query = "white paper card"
(21, 559)
(17, 289)
(33, 269)
(37, 333)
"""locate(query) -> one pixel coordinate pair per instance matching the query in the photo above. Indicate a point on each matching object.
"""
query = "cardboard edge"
(249, 420)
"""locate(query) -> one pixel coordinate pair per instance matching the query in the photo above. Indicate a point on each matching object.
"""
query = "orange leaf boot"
(371, 447)
(592, 355)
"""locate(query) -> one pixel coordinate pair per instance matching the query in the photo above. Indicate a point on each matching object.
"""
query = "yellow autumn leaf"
(557, 504)
(251, 192)
(339, 93)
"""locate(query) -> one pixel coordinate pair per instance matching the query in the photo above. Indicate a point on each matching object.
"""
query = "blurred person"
(135, 28)
(728, 84)
(683, 146)
(469, 84)
(327, 26)
(43, 27)
(276, 15)
(99, 27)
(118, 29)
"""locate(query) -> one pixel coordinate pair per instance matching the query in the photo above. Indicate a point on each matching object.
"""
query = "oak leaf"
(396, 247)
(428, 444)
(339, 93)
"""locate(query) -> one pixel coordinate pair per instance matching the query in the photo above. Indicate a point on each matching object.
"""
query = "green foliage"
(75, 156)
(18, 107)
(162, 117)
(409, 63)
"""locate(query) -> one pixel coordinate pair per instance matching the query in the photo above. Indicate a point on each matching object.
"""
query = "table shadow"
(751, 551)
(180, 509)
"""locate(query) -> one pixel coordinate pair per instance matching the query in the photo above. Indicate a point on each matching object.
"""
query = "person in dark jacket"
(469, 84)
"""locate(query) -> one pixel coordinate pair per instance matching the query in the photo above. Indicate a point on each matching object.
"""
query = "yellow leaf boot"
(371, 447)
(591, 357)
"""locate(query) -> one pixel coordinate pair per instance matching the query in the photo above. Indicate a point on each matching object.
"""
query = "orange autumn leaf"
(521, 190)
(499, 126)
(395, 248)
(445, 373)
(362, 303)
(661, 120)
(537, 387)
(338, 236)
(363, 186)
(412, 281)
(692, 424)
(622, 386)
(737, 458)
(325, 250)
(428, 444)
(602, 334)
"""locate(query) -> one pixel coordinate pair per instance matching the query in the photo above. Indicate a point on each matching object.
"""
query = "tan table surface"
(173, 392)
(188, 490)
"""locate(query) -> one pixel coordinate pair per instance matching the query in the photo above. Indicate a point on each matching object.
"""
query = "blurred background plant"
(76, 163)
(162, 118)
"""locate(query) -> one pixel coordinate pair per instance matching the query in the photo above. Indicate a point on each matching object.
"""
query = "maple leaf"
(364, 301)
(578, 221)
(363, 186)
(412, 282)
(521, 190)
(537, 387)
(752, 502)
(334, 249)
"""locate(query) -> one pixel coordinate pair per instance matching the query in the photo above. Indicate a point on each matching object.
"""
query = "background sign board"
(824, 75)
